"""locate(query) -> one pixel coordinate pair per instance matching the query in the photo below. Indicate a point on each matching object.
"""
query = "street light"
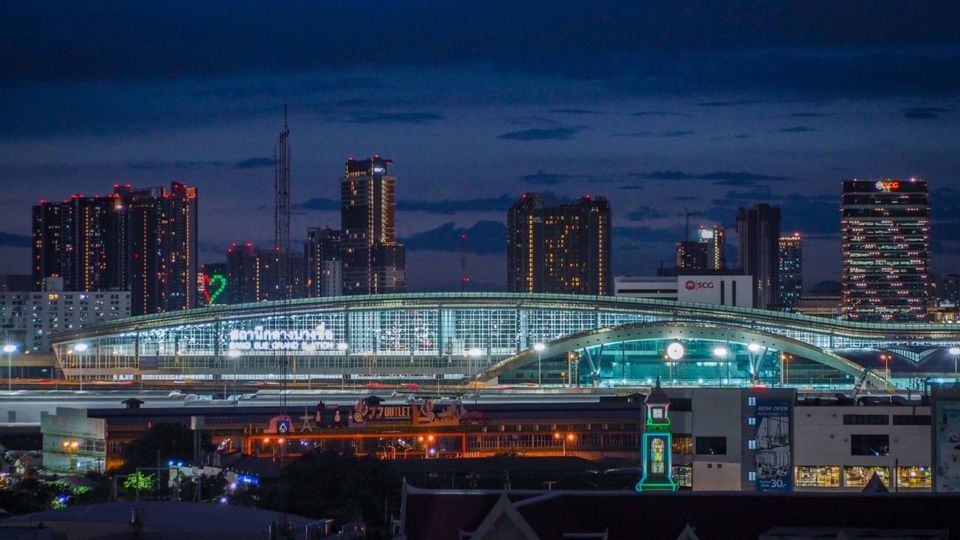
(564, 439)
(955, 351)
(80, 348)
(9, 348)
(539, 347)
(721, 353)
(235, 354)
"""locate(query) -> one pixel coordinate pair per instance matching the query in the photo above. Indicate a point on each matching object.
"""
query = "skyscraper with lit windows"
(373, 261)
(561, 248)
(885, 235)
(790, 271)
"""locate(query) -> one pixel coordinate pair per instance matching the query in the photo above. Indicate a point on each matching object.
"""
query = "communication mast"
(281, 214)
(464, 279)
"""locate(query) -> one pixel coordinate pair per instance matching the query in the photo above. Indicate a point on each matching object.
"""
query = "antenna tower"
(464, 279)
(281, 214)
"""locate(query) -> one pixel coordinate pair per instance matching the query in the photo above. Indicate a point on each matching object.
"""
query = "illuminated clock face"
(675, 351)
(657, 413)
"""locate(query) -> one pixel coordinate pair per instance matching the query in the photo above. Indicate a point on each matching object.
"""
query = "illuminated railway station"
(508, 339)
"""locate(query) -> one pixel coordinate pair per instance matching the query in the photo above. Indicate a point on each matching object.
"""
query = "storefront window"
(682, 445)
(683, 475)
(913, 477)
(824, 477)
(857, 476)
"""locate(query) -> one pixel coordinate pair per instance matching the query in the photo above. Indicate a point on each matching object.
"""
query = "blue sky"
(662, 107)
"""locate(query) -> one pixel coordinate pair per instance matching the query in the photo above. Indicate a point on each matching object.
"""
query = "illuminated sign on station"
(888, 185)
(261, 339)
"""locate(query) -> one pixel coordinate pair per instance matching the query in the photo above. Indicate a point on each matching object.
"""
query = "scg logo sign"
(692, 285)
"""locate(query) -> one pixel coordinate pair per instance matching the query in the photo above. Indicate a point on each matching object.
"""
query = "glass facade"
(453, 336)
(818, 476)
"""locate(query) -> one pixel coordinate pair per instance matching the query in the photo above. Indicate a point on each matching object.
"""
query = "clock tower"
(657, 450)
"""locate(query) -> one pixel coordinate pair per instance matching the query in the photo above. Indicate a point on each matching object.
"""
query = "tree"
(163, 443)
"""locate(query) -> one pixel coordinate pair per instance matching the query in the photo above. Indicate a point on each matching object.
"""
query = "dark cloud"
(577, 111)
(15, 240)
(483, 238)
(654, 113)
(721, 177)
(254, 163)
(493, 204)
(797, 129)
(809, 214)
(179, 165)
(736, 103)
(555, 134)
(810, 115)
(924, 113)
(664, 134)
(646, 212)
(542, 177)
(624, 236)
(395, 118)
(633, 187)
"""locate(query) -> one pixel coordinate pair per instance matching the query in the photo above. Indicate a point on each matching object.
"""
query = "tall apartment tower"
(790, 271)
(703, 254)
(373, 261)
(758, 232)
(561, 248)
(885, 242)
(324, 260)
(142, 241)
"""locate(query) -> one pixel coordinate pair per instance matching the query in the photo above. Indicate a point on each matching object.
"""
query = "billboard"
(722, 290)
(773, 445)
(946, 446)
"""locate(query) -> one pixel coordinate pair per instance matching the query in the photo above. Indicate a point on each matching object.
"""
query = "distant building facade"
(144, 241)
(724, 290)
(324, 259)
(758, 231)
(563, 248)
(885, 242)
(28, 318)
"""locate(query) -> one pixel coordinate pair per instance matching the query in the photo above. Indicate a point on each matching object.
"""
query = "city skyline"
(675, 117)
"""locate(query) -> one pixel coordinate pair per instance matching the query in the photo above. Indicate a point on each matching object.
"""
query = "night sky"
(660, 106)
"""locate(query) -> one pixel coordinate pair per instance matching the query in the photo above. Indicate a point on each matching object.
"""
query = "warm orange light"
(430, 438)
(74, 444)
(570, 437)
(281, 440)
(267, 440)
(556, 435)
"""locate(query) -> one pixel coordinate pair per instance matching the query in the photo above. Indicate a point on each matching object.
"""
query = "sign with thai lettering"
(261, 339)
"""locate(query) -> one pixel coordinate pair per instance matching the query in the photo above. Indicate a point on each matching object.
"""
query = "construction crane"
(686, 229)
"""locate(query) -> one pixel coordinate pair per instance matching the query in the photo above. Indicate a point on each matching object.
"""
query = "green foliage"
(166, 441)
(330, 485)
(211, 486)
(139, 481)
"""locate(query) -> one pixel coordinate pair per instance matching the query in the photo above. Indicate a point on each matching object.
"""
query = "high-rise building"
(324, 273)
(758, 232)
(561, 248)
(790, 271)
(703, 254)
(144, 241)
(373, 261)
(255, 275)
(885, 238)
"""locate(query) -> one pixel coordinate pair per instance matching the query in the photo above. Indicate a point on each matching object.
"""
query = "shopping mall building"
(509, 339)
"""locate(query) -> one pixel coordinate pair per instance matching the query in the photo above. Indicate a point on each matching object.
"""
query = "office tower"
(791, 271)
(885, 241)
(950, 290)
(255, 275)
(758, 232)
(562, 248)
(373, 260)
(703, 254)
(144, 241)
(324, 272)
